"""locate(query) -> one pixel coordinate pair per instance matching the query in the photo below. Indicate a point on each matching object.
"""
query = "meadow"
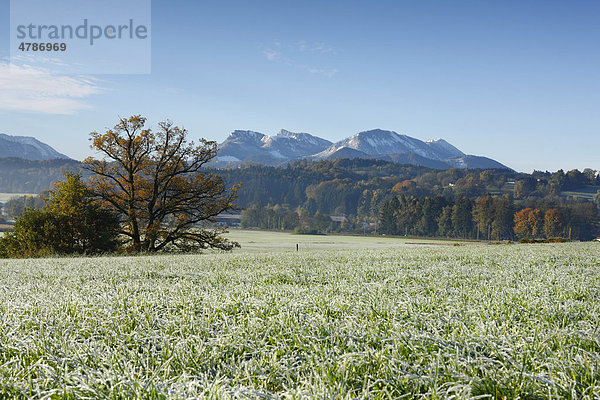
(254, 241)
(345, 318)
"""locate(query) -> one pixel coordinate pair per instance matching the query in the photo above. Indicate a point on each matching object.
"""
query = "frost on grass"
(463, 322)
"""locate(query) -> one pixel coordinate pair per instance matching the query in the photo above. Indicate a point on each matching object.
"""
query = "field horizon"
(278, 241)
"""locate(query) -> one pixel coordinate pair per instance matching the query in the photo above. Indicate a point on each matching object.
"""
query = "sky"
(516, 81)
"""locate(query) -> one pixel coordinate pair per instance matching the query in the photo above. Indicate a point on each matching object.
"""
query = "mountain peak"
(286, 133)
(245, 135)
(381, 142)
(254, 146)
(376, 132)
(444, 149)
(27, 147)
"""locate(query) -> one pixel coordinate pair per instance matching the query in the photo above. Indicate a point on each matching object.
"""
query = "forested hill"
(349, 186)
(294, 184)
(32, 176)
(368, 195)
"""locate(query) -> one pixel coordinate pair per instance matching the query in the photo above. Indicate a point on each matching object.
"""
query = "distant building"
(234, 220)
(338, 218)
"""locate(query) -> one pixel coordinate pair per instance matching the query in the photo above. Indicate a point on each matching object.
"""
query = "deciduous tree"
(462, 217)
(154, 182)
(553, 223)
(483, 215)
(522, 228)
(502, 225)
(529, 223)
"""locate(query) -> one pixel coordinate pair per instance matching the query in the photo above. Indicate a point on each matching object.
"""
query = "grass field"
(262, 241)
(412, 321)
(586, 193)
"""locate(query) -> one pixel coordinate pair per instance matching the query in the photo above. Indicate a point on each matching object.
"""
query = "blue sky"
(517, 81)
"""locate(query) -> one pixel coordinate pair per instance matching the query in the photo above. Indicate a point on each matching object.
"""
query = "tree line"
(488, 217)
(484, 218)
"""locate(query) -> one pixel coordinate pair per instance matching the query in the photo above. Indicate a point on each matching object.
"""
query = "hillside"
(28, 148)
(32, 176)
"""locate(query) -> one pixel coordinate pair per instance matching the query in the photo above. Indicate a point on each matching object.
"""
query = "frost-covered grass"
(518, 321)
(265, 241)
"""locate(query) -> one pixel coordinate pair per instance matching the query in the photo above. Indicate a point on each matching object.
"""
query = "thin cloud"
(272, 55)
(319, 71)
(26, 88)
(301, 51)
(320, 48)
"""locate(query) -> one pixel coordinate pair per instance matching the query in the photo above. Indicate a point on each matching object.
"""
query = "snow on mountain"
(283, 146)
(245, 137)
(286, 146)
(293, 145)
(26, 147)
(239, 145)
(468, 161)
(380, 142)
(444, 149)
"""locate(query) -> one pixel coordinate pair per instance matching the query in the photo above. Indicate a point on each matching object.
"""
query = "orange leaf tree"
(523, 227)
(553, 223)
(155, 183)
(529, 223)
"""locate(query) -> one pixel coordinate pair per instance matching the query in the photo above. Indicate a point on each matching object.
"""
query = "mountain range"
(26, 147)
(254, 147)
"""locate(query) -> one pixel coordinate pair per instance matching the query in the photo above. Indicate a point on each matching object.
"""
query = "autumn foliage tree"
(153, 181)
(522, 228)
(553, 223)
(529, 223)
(404, 186)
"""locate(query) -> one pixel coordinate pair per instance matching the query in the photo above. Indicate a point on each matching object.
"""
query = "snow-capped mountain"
(444, 149)
(26, 147)
(379, 142)
(391, 146)
(245, 146)
(239, 145)
(294, 145)
(249, 146)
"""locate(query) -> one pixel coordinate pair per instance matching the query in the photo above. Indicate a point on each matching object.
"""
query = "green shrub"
(69, 223)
